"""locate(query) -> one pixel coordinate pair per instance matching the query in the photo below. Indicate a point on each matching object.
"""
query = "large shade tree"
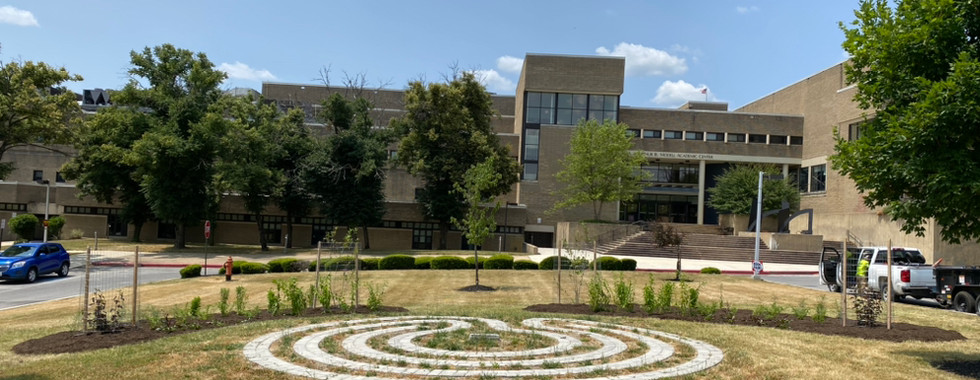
(34, 107)
(600, 168)
(738, 187)
(917, 70)
(175, 159)
(447, 128)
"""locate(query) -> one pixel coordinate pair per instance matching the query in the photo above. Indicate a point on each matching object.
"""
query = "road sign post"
(756, 268)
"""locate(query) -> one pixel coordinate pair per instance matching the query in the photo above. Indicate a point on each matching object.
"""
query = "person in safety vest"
(862, 271)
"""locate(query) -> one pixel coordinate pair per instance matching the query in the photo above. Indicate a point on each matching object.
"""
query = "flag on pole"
(704, 90)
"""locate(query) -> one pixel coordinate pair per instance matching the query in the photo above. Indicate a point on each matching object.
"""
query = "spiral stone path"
(608, 356)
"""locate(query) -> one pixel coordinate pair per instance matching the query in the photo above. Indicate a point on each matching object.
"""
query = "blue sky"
(740, 50)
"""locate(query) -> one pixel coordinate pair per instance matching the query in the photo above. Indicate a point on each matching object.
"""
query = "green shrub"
(525, 265)
(470, 261)
(710, 270)
(236, 267)
(252, 268)
(281, 265)
(598, 294)
(376, 293)
(609, 263)
(54, 227)
(500, 261)
(424, 262)
(450, 262)
(551, 262)
(24, 225)
(627, 265)
(194, 308)
(190, 271)
(77, 234)
(223, 305)
(241, 300)
(397, 262)
(370, 263)
(624, 293)
(820, 311)
(338, 264)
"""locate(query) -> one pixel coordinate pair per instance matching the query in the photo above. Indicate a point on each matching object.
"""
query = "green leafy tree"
(738, 186)
(250, 148)
(479, 220)
(175, 159)
(347, 172)
(917, 70)
(34, 109)
(600, 167)
(24, 225)
(100, 168)
(446, 130)
(296, 143)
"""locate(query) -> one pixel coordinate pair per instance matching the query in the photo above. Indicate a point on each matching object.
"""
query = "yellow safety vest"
(863, 268)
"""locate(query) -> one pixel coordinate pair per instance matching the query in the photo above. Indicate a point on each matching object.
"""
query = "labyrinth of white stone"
(392, 347)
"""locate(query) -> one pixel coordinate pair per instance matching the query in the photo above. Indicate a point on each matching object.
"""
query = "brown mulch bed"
(77, 341)
(899, 332)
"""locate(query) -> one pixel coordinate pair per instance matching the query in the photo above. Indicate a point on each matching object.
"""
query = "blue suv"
(26, 261)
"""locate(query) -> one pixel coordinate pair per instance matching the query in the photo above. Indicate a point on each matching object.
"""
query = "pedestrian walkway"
(658, 264)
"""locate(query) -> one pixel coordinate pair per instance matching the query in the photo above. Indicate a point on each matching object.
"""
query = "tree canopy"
(917, 73)
(600, 167)
(447, 129)
(738, 187)
(34, 108)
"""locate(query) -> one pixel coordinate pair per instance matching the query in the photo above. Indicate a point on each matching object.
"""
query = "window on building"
(803, 178)
(695, 136)
(855, 130)
(421, 239)
(777, 139)
(540, 108)
(531, 145)
(392, 155)
(651, 134)
(714, 136)
(418, 193)
(602, 107)
(796, 140)
(633, 132)
(673, 135)
(671, 173)
(530, 171)
(736, 137)
(757, 139)
(58, 177)
(818, 178)
(38, 175)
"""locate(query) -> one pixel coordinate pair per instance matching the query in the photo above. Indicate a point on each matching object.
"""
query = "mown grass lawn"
(750, 352)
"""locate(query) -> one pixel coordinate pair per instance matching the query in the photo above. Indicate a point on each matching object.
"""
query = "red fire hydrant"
(228, 265)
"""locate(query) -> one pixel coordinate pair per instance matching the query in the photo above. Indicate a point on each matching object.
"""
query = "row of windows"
(717, 136)
(569, 109)
(671, 173)
(91, 210)
(13, 207)
(39, 176)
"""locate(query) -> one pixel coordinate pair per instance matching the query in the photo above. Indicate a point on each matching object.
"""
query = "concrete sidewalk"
(656, 264)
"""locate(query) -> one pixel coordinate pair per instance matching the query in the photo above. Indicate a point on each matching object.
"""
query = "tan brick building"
(686, 147)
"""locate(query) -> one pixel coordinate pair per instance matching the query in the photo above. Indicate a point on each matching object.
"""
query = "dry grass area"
(750, 352)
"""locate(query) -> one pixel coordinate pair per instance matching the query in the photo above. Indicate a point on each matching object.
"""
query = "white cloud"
(677, 93)
(743, 9)
(643, 61)
(494, 81)
(19, 17)
(240, 70)
(510, 64)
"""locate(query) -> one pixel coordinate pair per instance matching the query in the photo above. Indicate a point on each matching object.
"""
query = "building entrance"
(660, 208)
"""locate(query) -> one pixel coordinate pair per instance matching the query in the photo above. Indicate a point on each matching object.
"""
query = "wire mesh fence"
(108, 294)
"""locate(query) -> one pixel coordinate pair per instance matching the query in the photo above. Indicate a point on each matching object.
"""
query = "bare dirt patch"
(77, 341)
(899, 332)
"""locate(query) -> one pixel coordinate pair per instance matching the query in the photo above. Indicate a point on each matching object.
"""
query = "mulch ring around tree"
(899, 332)
(77, 341)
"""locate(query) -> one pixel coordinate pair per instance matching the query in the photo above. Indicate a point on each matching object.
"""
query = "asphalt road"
(51, 287)
(813, 282)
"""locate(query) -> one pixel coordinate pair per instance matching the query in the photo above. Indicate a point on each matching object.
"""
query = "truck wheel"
(884, 293)
(978, 303)
(964, 302)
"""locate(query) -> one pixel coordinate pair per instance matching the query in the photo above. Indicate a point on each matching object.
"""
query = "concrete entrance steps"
(713, 247)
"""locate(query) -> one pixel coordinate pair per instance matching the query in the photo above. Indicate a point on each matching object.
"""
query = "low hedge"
(500, 261)
(286, 264)
(190, 271)
(423, 262)
(245, 267)
(396, 262)
(525, 265)
(370, 263)
(469, 261)
(609, 263)
(449, 262)
(627, 264)
(550, 262)
(710, 270)
(339, 264)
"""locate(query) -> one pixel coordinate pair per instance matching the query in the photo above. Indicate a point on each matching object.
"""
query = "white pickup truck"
(910, 275)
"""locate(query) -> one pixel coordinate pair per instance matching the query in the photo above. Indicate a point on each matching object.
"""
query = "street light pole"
(47, 201)
(758, 229)
(503, 246)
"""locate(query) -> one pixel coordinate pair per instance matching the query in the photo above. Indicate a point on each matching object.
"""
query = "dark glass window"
(540, 108)
(855, 130)
(736, 137)
(714, 136)
(673, 135)
(777, 139)
(796, 140)
(695, 136)
(757, 139)
(633, 132)
(804, 177)
(421, 239)
(651, 134)
(530, 171)
(38, 175)
(58, 177)
(818, 178)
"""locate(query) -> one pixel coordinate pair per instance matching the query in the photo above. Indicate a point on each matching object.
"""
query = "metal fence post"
(88, 266)
(136, 283)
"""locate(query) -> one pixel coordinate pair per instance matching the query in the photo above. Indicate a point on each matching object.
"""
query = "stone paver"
(471, 364)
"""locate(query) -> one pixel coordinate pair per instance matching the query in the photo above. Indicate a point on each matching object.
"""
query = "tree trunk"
(263, 241)
(443, 232)
(367, 240)
(289, 229)
(678, 278)
(476, 264)
(180, 241)
(137, 228)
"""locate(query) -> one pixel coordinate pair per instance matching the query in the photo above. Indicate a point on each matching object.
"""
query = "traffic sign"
(757, 266)
(3, 224)
(207, 229)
